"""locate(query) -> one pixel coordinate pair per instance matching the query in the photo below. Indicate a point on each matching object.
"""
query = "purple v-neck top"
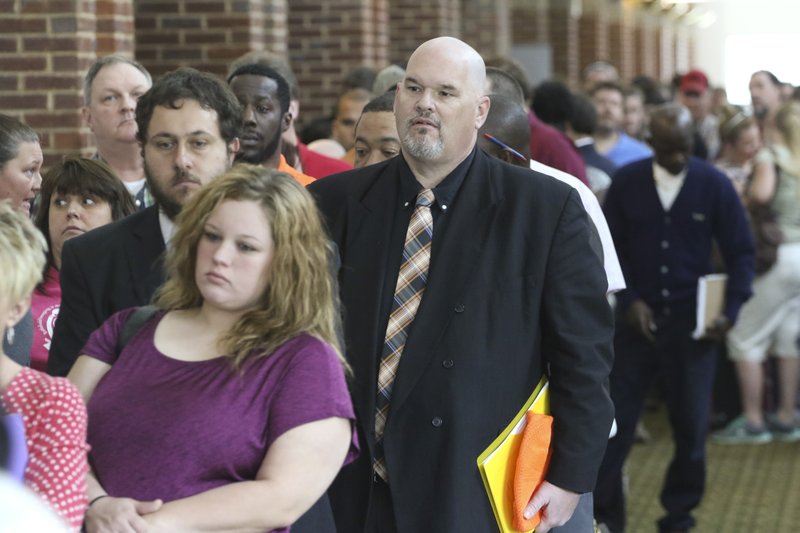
(164, 428)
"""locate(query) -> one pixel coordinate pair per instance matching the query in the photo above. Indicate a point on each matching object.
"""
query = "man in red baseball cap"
(696, 97)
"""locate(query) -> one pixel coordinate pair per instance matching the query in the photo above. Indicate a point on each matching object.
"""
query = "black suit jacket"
(104, 271)
(513, 288)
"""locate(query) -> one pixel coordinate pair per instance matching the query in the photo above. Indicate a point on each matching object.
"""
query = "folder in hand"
(514, 465)
(710, 302)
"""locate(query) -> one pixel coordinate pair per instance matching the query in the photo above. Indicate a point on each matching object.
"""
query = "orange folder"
(532, 461)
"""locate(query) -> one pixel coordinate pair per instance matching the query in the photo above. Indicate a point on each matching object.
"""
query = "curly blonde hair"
(300, 296)
(22, 256)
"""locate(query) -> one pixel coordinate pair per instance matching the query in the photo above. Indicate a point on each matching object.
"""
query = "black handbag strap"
(134, 324)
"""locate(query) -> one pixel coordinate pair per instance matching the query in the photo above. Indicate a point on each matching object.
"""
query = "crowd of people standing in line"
(248, 350)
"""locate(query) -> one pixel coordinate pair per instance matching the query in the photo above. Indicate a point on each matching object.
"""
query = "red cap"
(694, 81)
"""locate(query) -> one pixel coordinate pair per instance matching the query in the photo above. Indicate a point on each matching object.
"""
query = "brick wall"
(486, 26)
(326, 41)
(47, 45)
(412, 22)
(646, 43)
(206, 34)
(114, 27)
(622, 45)
(666, 52)
(565, 42)
(529, 22)
(683, 59)
(594, 39)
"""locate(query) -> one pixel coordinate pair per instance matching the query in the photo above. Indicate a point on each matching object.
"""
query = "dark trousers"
(686, 368)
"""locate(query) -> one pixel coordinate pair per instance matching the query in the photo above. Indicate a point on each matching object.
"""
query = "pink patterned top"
(54, 417)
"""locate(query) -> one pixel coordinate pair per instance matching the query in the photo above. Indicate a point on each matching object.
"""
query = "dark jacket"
(514, 288)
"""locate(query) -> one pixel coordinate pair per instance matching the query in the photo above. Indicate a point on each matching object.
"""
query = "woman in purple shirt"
(228, 410)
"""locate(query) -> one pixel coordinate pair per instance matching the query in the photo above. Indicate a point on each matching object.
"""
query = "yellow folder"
(497, 463)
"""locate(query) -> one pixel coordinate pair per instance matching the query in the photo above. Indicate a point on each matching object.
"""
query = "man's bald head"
(455, 54)
(672, 136)
(508, 122)
(501, 82)
(440, 105)
(670, 119)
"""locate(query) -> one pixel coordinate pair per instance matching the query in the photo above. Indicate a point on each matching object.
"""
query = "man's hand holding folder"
(513, 468)
(537, 503)
(555, 504)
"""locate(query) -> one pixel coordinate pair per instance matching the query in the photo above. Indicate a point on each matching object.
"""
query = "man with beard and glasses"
(265, 97)
(463, 279)
(188, 127)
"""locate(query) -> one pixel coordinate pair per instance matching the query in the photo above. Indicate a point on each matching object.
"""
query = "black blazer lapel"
(364, 260)
(453, 263)
(146, 255)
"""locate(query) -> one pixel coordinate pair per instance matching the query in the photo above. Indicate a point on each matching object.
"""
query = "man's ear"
(294, 109)
(17, 311)
(483, 111)
(86, 113)
(233, 149)
(286, 121)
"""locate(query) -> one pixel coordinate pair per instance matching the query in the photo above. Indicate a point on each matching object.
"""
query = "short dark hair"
(583, 117)
(257, 69)
(106, 61)
(505, 84)
(353, 93)
(383, 103)
(650, 88)
(552, 103)
(12, 134)
(359, 78)
(271, 60)
(514, 68)
(187, 83)
(78, 175)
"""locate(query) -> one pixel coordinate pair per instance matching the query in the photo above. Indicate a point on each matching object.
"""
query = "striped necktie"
(407, 295)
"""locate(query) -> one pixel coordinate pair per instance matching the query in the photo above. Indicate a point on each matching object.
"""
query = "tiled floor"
(749, 488)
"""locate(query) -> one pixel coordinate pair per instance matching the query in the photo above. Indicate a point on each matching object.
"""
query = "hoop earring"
(10, 335)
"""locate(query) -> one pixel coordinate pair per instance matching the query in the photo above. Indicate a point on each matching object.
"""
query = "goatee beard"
(170, 207)
(267, 152)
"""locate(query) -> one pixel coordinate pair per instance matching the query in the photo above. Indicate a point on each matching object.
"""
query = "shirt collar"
(662, 174)
(444, 193)
(167, 226)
